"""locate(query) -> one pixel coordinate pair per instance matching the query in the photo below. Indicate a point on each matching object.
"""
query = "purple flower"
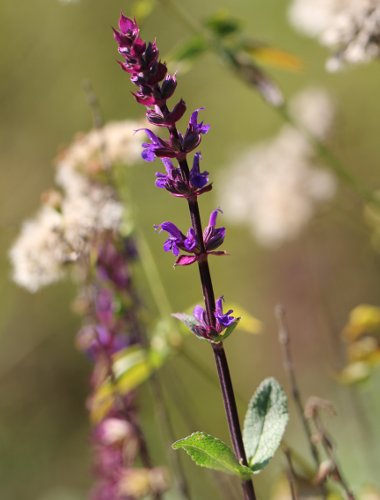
(194, 132)
(177, 240)
(157, 117)
(198, 179)
(213, 236)
(223, 320)
(157, 148)
(171, 178)
(174, 181)
(168, 86)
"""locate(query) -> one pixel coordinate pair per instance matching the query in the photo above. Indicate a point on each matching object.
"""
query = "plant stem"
(219, 354)
(284, 340)
(165, 419)
(291, 474)
(232, 414)
(336, 472)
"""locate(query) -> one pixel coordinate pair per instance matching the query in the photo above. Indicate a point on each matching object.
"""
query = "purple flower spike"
(224, 319)
(213, 236)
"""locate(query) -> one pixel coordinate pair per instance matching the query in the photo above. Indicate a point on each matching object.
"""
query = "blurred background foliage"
(47, 50)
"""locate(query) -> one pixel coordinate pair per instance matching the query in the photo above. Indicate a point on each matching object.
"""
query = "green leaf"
(265, 423)
(222, 25)
(210, 452)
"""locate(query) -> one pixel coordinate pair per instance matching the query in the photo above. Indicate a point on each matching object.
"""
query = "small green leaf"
(222, 25)
(210, 452)
(265, 423)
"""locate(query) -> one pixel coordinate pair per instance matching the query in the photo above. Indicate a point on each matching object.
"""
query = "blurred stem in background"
(309, 415)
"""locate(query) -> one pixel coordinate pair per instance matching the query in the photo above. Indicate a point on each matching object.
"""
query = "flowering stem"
(146, 70)
(209, 299)
(218, 349)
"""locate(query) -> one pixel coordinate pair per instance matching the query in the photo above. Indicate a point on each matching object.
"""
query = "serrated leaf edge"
(241, 470)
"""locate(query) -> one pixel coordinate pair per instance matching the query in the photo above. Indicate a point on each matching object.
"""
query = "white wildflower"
(69, 222)
(116, 142)
(39, 253)
(89, 212)
(274, 186)
(351, 28)
(313, 17)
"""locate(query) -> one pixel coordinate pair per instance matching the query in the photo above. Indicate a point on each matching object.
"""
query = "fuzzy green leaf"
(210, 452)
(265, 423)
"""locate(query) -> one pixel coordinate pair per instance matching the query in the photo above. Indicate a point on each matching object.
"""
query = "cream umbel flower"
(351, 28)
(116, 142)
(68, 222)
(39, 254)
(275, 187)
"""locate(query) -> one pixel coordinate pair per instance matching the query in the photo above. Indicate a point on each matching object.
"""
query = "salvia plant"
(82, 226)
(267, 413)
